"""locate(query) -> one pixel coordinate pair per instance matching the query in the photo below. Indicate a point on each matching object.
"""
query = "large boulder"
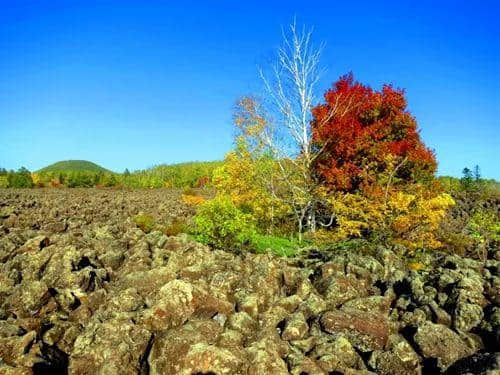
(439, 342)
(366, 330)
(111, 347)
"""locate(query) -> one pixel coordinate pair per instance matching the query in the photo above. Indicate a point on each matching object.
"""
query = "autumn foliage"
(358, 129)
(372, 176)
(374, 169)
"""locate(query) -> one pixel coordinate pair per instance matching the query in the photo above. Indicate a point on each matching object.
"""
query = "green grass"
(276, 245)
(73, 166)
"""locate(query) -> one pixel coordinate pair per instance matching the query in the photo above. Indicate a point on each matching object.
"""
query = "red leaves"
(359, 128)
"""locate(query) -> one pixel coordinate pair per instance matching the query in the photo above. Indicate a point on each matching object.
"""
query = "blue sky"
(129, 84)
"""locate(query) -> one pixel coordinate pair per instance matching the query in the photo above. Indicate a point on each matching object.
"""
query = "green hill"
(73, 166)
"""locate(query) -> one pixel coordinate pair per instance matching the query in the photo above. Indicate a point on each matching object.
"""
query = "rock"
(300, 364)
(296, 327)
(250, 305)
(111, 347)
(342, 289)
(314, 304)
(174, 307)
(290, 303)
(399, 359)
(28, 298)
(438, 341)
(101, 296)
(147, 283)
(337, 356)
(266, 355)
(375, 304)
(206, 359)
(366, 330)
(440, 315)
(15, 350)
(35, 244)
(305, 345)
(171, 347)
(242, 322)
(467, 316)
(231, 339)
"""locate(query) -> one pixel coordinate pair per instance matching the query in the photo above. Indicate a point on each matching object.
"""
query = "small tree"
(221, 224)
(467, 179)
(283, 129)
(477, 173)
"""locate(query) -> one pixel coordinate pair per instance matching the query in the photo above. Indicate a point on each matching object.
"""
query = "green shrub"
(20, 179)
(484, 228)
(4, 182)
(109, 180)
(145, 222)
(219, 223)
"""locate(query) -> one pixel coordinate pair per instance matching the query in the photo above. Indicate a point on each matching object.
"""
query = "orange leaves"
(357, 128)
(192, 200)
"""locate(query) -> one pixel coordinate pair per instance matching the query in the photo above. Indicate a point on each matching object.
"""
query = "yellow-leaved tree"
(248, 180)
(408, 216)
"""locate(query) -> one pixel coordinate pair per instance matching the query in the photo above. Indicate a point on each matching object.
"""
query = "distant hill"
(73, 165)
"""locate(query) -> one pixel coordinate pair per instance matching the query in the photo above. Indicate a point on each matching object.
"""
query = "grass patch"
(276, 245)
(357, 245)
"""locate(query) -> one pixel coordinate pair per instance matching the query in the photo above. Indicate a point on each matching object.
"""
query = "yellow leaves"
(37, 179)
(400, 202)
(192, 200)
(244, 179)
(355, 214)
(250, 121)
(401, 224)
(414, 218)
(416, 266)
(410, 218)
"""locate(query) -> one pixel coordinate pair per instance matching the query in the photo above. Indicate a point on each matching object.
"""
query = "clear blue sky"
(136, 83)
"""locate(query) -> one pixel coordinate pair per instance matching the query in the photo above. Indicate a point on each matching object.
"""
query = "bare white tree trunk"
(290, 88)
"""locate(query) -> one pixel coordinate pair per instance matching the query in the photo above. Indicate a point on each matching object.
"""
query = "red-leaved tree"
(363, 134)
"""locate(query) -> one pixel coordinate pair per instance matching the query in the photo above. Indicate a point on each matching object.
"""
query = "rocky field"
(84, 291)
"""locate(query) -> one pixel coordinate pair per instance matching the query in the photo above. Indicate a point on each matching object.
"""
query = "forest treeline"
(193, 174)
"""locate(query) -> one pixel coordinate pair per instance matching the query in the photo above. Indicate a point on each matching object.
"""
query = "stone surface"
(367, 330)
(84, 291)
(440, 342)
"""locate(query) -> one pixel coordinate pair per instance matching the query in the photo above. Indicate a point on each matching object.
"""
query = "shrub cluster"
(221, 224)
(18, 179)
